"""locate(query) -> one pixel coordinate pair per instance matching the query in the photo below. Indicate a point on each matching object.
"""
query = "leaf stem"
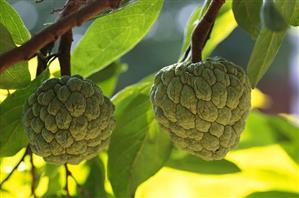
(202, 30)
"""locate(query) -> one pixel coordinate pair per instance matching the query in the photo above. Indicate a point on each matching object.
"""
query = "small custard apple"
(202, 105)
(68, 120)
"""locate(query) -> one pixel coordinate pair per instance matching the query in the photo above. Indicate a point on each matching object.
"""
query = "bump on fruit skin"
(202, 105)
(68, 120)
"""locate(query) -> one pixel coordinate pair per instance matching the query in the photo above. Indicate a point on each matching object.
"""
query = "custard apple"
(202, 105)
(68, 120)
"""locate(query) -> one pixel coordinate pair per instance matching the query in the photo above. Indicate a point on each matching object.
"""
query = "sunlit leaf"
(263, 168)
(16, 76)
(94, 183)
(274, 193)
(55, 187)
(138, 147)
(184, 161)
(112, 35)
(222, 28)
(287, 134)
(257, 131)
(13, 22)
(295, 17)
(262, 130)
(12, 135)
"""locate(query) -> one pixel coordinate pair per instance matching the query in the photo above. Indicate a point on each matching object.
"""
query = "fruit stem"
(201, 31)
(66, 39)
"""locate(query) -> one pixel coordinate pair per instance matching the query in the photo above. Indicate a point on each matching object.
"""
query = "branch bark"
(201, 32)
(54, 31)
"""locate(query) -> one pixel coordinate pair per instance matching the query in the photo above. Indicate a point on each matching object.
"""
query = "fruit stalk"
(202, 30)
(66, 40)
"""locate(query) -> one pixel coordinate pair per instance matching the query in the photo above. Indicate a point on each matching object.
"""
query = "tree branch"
(201, 32)
(51, 33)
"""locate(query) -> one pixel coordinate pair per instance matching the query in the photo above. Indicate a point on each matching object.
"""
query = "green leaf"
(12, 135)
(107, 78)
(263, 130)
(287, 134)
(274, 194)
(222, 28)
(94, 183)
(187, 162)
(247, 15)
(295, 17)
(138, 147)
(257, 131)
(263, 54)
(13, 22)
(267, 45)
(18, 75)
(55, 186)
(271, 17)
(111, 36)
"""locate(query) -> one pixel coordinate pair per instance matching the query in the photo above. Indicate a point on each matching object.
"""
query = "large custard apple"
(202, 105)
(68, 120)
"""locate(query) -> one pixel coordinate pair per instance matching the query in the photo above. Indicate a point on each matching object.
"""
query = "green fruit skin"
(68, 120)
(202, 105)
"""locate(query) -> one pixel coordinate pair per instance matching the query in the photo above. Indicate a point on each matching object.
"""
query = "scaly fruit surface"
(68, 120)
(202, 105)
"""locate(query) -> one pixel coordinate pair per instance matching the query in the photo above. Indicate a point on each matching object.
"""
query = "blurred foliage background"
(264, 165)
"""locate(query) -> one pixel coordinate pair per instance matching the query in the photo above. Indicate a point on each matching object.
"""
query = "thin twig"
(15, 168)
(67, 174)
(33, 175)
(54, 31)
(201, 32)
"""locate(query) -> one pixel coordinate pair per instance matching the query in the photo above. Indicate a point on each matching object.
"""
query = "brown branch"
(201, 32)
(15, 168)
(66, 40)
(54, 31)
